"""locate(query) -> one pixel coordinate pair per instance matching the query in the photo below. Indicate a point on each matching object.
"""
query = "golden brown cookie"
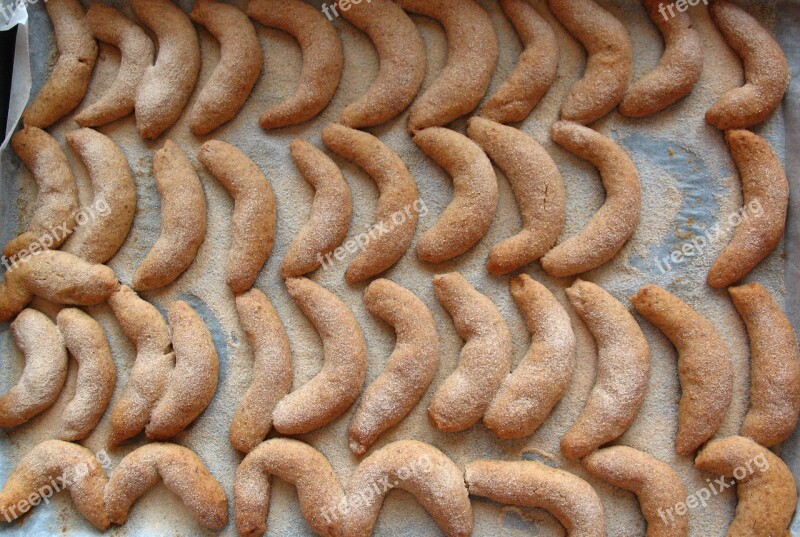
(409, 370)
(39, 340)
(704, 365)
(323, 59)
(183, 220)
(484, 361)
(608, 66)
(531, 484)
(167, 85)
(468, 216)
(766, 70)
(764, 484)
(75, 467)
(402, 62)
(64, 90)
(421, 469)
(145, 327)
(299, 464)
(623, 371)
(254, 211)
(97, 374)
(656, 485)
(616, 221)
(53, 217)
(471, 60)
(530, 393)
(56, 276)
(536, 68)
(181, 471)
(98, 240)
(538, 189)
(193, 381)
(398, 204)
(763, 215)
(326, 396)
(238, 68)
(677, 71)
(272, 370)
(136, 54)
(330, 212)
(774, 366)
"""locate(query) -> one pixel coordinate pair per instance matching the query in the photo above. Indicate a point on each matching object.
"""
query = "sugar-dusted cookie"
(409, 370)
(485, 359)
(704, 365)
(323, 59)
(623, 371)
(181, 471)
(64, 90)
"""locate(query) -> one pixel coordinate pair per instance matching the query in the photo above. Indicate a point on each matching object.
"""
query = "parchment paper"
(689, 184)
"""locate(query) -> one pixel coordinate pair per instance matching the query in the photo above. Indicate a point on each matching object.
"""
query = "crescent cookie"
(538, 189)
(97, 241)
(136, 55)
(409, 370)
(330, 212)
(53, 217)
(656, 485)
(272, 370)
(608, 66)
(97, 374)
(421, 469)
(536, 68)
(616, 221)
(569, 498)
(468, 216)
(181, 471)
(74, 467)
(399, 198)
(254, 211)
(326, 396)
(183, 220)
(45, 372)
(530, 393)
(236, 72)
(56, 276)
(471, 60)
(774, 369)
(677, 71)
(623, 371)
(704, 365)
(193, 381)
(299, 464)
(765, 189)
(764, 484)
(64, 90)
(323, 59)
(766, 70)
(145, 327)
(167, 85)
(485, 359)
(402, 63)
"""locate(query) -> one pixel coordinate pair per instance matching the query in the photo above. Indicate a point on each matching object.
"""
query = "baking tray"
(689, 183)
